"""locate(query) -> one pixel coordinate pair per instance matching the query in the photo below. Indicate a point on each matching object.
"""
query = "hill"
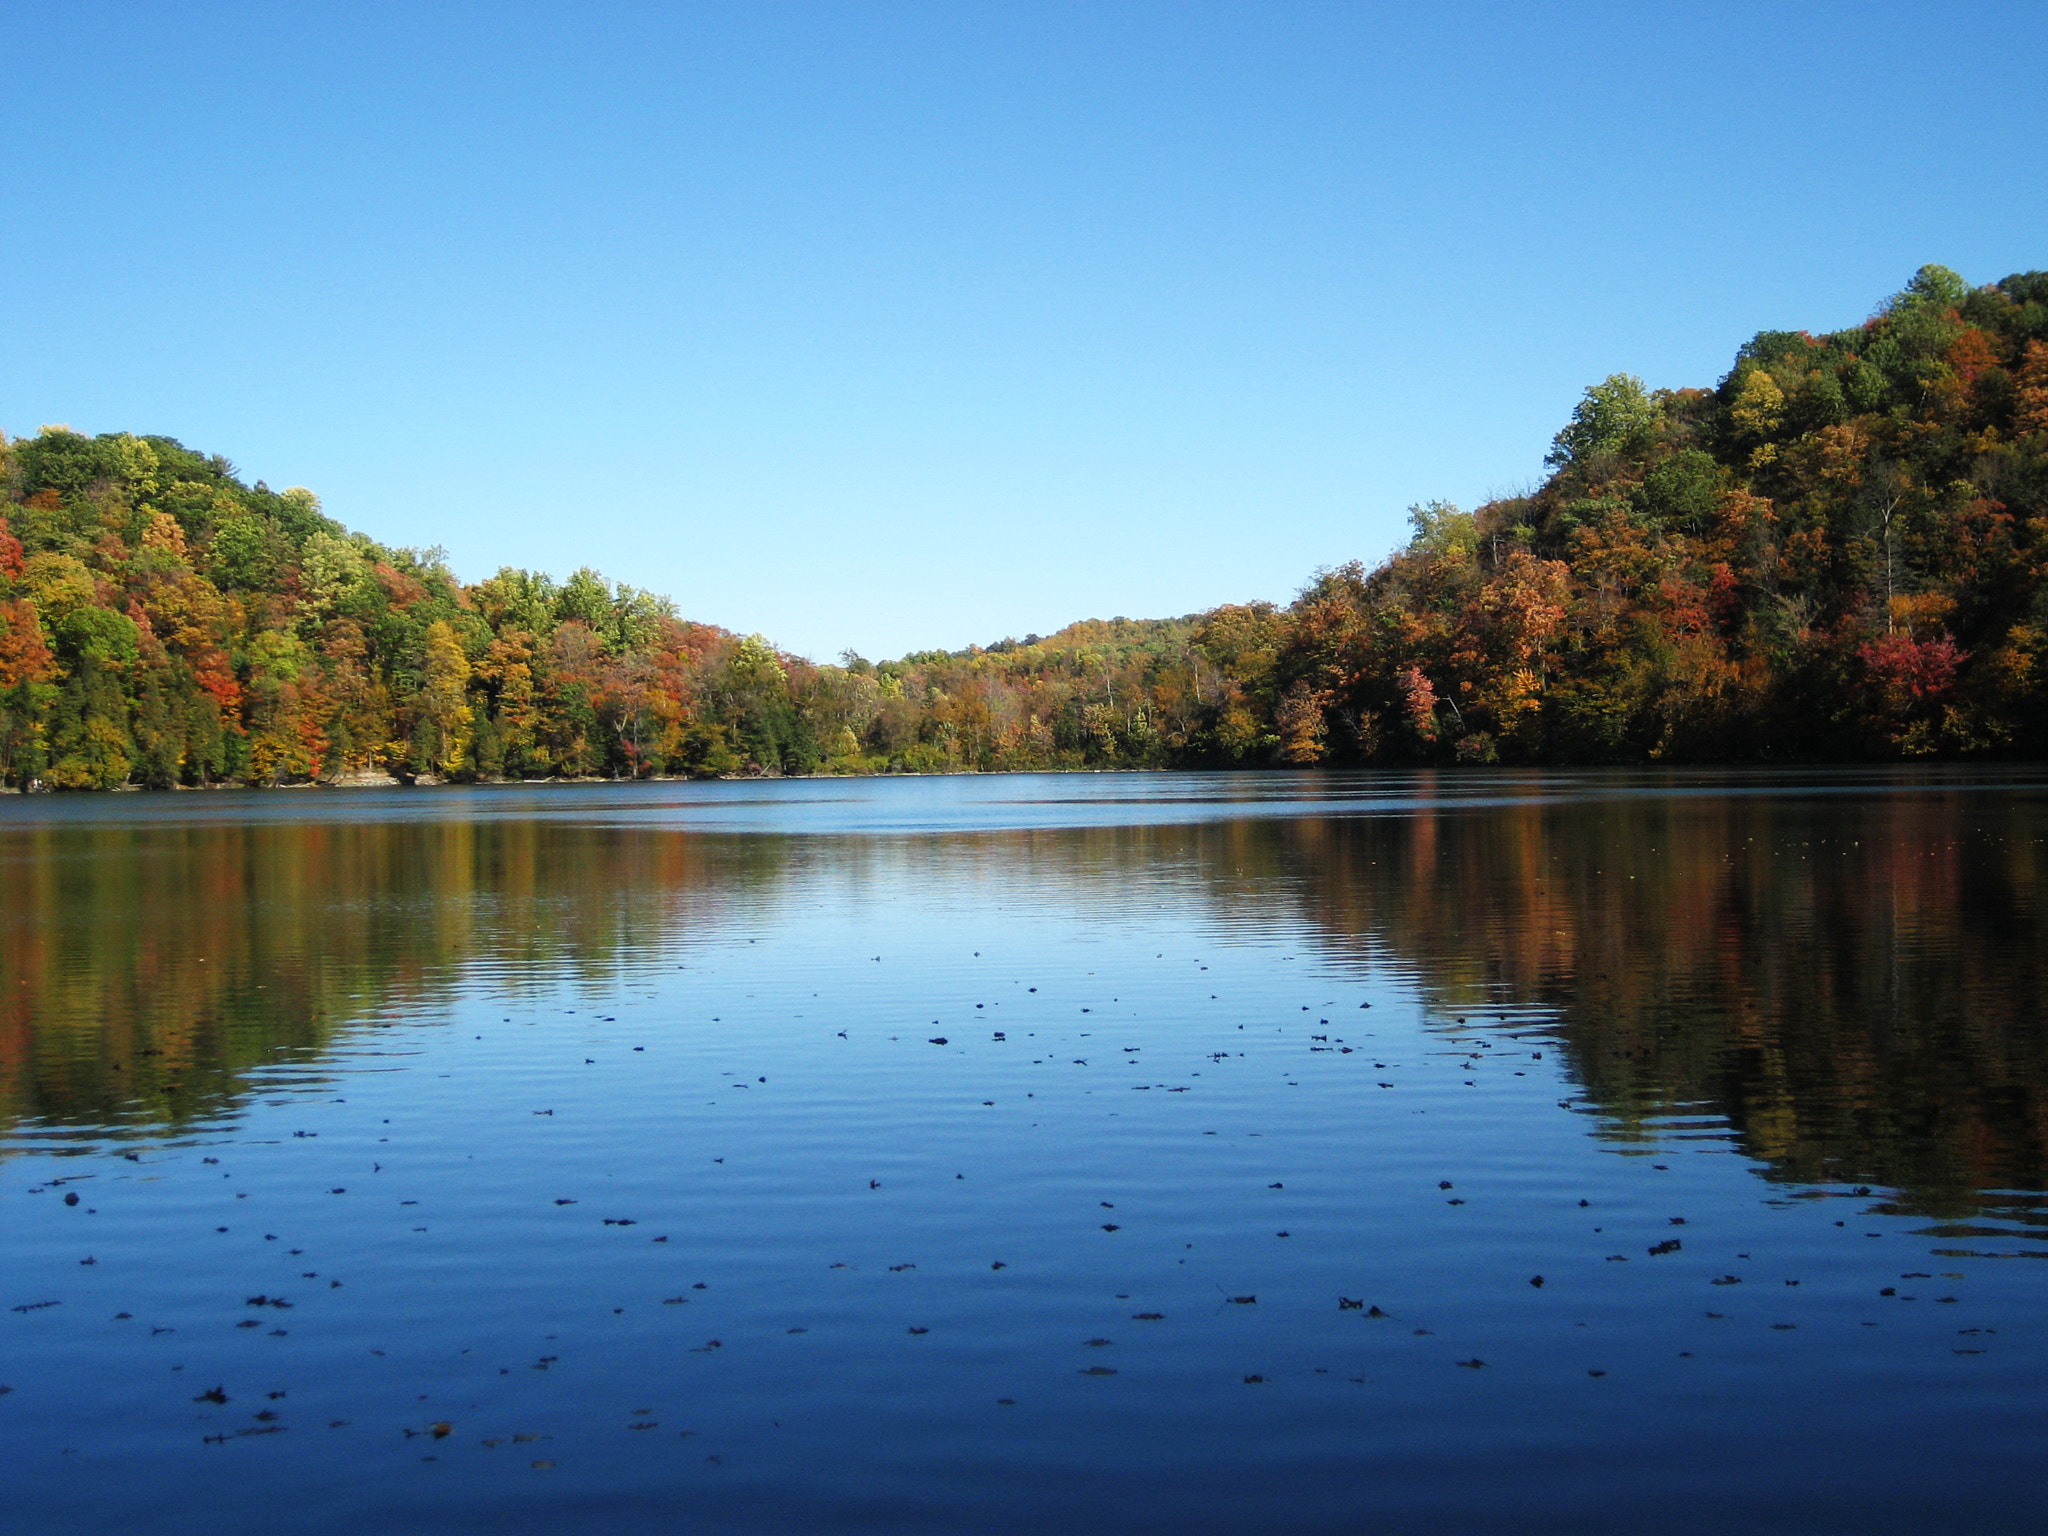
(1839, 551)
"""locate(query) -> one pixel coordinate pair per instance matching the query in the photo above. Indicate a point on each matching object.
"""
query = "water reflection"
(1851, 981)
(1854, 985)
(146, 972)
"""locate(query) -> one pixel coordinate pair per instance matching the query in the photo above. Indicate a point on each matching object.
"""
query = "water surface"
(1075, 1153)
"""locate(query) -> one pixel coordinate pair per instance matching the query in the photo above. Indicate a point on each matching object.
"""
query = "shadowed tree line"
(1837, 552)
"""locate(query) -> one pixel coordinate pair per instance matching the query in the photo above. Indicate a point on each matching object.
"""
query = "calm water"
(1029, 1154)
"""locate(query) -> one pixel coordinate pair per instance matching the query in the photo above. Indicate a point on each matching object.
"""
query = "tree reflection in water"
(1851, 981)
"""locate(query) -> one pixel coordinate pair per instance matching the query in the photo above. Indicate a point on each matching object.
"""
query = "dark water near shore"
(1008, 1154)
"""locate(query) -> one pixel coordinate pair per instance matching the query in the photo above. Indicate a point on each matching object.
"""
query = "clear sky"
(897, 326)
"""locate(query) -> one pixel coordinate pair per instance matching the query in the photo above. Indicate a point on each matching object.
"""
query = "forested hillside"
(1837, 552)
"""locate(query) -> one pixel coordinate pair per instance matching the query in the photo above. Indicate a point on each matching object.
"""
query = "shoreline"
(379, 781)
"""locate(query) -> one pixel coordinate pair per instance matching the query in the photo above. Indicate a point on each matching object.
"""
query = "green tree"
(1613, 414)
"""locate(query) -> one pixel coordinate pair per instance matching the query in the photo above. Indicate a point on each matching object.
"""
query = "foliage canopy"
(1839, 551)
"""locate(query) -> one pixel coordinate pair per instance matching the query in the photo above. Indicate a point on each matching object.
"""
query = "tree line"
(1838, 552)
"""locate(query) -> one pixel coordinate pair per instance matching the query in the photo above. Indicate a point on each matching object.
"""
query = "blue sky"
(902, 326)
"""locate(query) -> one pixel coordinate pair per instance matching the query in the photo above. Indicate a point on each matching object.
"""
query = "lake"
(1477, 1152)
